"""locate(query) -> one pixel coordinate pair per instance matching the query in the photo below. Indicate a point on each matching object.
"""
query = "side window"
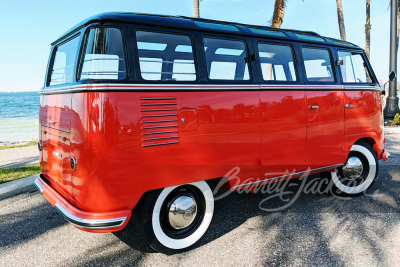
(165, 57)
(64, 62)
(276, 62)
(354, 69)
(104, 56)
(318, 65)
(226, 59)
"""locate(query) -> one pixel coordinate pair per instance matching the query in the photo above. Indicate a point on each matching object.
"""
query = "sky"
(30, 26)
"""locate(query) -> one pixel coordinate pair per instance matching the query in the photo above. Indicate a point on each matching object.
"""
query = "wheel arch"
(370, 141)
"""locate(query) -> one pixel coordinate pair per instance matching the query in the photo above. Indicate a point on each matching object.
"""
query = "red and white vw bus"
(159, 109)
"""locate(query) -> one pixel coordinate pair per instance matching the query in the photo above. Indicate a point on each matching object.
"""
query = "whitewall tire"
(176, 217)
(358, 173)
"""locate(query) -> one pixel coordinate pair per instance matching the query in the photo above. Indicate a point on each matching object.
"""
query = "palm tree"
(341, 19)
(279, 13)
(196, 8)
(368, 28)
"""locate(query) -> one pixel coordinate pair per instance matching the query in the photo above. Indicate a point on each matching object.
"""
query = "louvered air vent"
(159, 119)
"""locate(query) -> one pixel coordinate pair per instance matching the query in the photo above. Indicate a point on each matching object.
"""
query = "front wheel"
(176, 217)
(358, 173)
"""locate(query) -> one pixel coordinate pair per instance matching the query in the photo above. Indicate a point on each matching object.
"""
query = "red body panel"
(325, 128)
(127, 143)
(284, 135)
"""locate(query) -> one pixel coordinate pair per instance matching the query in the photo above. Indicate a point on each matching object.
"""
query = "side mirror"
(392, 76)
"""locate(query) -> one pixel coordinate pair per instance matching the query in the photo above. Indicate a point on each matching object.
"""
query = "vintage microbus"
(148, 113)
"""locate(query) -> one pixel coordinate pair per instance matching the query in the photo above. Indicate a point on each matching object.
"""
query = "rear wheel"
(358, 173)
(176, 217)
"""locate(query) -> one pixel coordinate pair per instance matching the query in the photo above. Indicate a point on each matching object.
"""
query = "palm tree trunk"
(279, 13)
(368, 28)
(196, 9)
(341, 20)
(277, 19)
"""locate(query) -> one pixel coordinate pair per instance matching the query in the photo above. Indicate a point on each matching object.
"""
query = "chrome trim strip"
(294, 175)
(160, 132)
(147, 87)
(362, 87)
(282, 87)
(38, 186)
(161, 144)
(197, 87)
(324, 87)
(160, 115)
(159, 121)
(162, 126)
(160, 138)
(91, 223)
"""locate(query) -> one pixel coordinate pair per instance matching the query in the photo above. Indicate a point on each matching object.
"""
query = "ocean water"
(19, 117)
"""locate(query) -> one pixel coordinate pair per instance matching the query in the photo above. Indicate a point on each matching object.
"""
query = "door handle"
(313, 107)
(52, 122)
(349, 106)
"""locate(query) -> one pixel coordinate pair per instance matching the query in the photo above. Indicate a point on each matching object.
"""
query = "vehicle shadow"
(310, 223)
(21, 162)
(27, 224)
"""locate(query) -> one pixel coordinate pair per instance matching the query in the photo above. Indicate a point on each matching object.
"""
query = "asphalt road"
(317, 229)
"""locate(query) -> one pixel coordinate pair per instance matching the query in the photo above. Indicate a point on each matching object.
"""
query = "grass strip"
(31, 143)
(11, 174)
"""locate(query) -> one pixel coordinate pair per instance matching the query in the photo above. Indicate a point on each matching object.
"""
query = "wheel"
(358, 173)
(176, 217)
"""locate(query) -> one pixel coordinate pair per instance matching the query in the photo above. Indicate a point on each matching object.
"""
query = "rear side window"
(226, 59)
(276, 62)
(353, 68)
(64, 62)
(104, 56)
(317, 62)
(165, 57)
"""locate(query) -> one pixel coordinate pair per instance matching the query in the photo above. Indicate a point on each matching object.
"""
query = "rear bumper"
(87, 221)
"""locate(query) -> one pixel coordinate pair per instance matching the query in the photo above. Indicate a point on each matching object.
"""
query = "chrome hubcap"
(182, 212)
(353, 168)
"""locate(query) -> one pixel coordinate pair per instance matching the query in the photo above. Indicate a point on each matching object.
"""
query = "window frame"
(366, 61)
(261, 79)
(138, 72)
(53, 56)
(83, 50)
(336, 79)
(246, 41)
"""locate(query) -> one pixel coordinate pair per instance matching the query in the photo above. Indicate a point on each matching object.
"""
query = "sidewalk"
(13, 188)
(18, 156)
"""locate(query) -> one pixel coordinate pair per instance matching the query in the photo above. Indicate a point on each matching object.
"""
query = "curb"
(19, 186)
